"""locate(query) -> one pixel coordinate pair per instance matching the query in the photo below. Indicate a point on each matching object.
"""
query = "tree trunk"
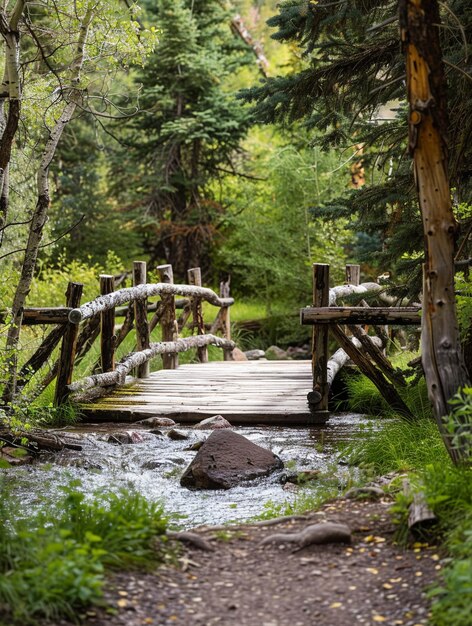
(442, 357)
(40, 213)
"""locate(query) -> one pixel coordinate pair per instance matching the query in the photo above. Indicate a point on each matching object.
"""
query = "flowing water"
(154, 466)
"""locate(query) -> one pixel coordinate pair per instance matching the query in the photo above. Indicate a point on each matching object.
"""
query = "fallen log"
(131, 294)
(118, 376)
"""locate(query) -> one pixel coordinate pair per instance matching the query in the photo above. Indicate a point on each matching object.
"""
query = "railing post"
(353, 274)
(140, 316)
(68, 347)
(107, 327)
(195, 278)
(225, 319)
(320, 340)
(168, 321)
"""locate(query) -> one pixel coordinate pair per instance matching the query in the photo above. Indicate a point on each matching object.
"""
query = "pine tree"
(188, 134)
(351, 89)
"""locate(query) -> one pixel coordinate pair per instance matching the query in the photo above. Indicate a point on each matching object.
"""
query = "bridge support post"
(168, 321)
(68, 347)
(195, 278)
(318, 398)
(353, 274)
(225, 318)
(140, 316)
(107, 327)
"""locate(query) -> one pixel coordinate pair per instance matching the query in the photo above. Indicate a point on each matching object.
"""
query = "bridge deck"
(271, 392)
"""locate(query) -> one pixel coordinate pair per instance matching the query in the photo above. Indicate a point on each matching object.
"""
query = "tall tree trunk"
(428, 122)
(39, 217)
(11, 93)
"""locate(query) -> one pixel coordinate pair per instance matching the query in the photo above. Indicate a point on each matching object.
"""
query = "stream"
(153, 467)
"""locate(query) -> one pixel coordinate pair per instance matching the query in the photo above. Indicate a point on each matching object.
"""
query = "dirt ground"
(243, 583)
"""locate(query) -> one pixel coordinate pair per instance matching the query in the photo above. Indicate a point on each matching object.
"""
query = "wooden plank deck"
(262, 392)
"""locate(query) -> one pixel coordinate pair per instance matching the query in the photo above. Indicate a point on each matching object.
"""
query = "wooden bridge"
(275, 392)
(257, 392)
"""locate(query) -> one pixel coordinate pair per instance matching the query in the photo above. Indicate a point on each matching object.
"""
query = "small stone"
(364, 493)
(157, 421)
(177, 435)
(274, 353)
(238, 355)
(212, 423)
(254, 355)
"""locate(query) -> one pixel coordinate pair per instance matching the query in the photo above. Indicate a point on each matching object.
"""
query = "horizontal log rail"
(132, 294)
(361, 315)
(123, 368)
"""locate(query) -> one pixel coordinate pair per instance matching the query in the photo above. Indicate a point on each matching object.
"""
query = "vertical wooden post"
(226, 319)
(320, 340)
(168, 321)
(140, 316)
(68, 347)
(353, 274)
(195, 278)
(107, 327)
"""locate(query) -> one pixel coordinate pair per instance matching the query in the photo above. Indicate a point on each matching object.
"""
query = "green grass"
(397, 446)
(52, 563)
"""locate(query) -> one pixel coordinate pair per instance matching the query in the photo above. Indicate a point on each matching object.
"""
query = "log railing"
(79, 326)
(355, 343)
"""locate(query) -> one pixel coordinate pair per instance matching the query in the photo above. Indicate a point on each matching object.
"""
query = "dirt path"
(241, 583)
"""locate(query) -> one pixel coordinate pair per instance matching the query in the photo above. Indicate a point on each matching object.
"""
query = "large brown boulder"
(226, 459)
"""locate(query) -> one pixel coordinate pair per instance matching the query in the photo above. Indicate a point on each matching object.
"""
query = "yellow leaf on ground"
(122, 603)
(379, 618)
(335, 605)
(372, 570)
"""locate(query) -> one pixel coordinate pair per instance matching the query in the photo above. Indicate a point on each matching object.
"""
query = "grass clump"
(397, 446)
(53, 562)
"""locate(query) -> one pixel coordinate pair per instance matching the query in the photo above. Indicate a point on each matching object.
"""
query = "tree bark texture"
(130, 294)
(428, 123)
(320, 339)
(68, 347)
(140, 316)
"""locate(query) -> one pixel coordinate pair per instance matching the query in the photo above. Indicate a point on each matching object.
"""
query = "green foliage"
(364, 397)
(459, 422)
(52, 563)
(397, 446)
(270, 240)
(189, 136)
(347, 85)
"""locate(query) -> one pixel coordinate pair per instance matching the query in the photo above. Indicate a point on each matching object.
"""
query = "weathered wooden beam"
(41, 315)
(385, 387)
(402, 316)
(195, 278)
(377, 356)
(225, 319)
(320, 340)
(140, 316)
(42, 354)
(107, 327)
(168, 321)
(137, 358)
(68, 347)
(353, 274)
(130, 294)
